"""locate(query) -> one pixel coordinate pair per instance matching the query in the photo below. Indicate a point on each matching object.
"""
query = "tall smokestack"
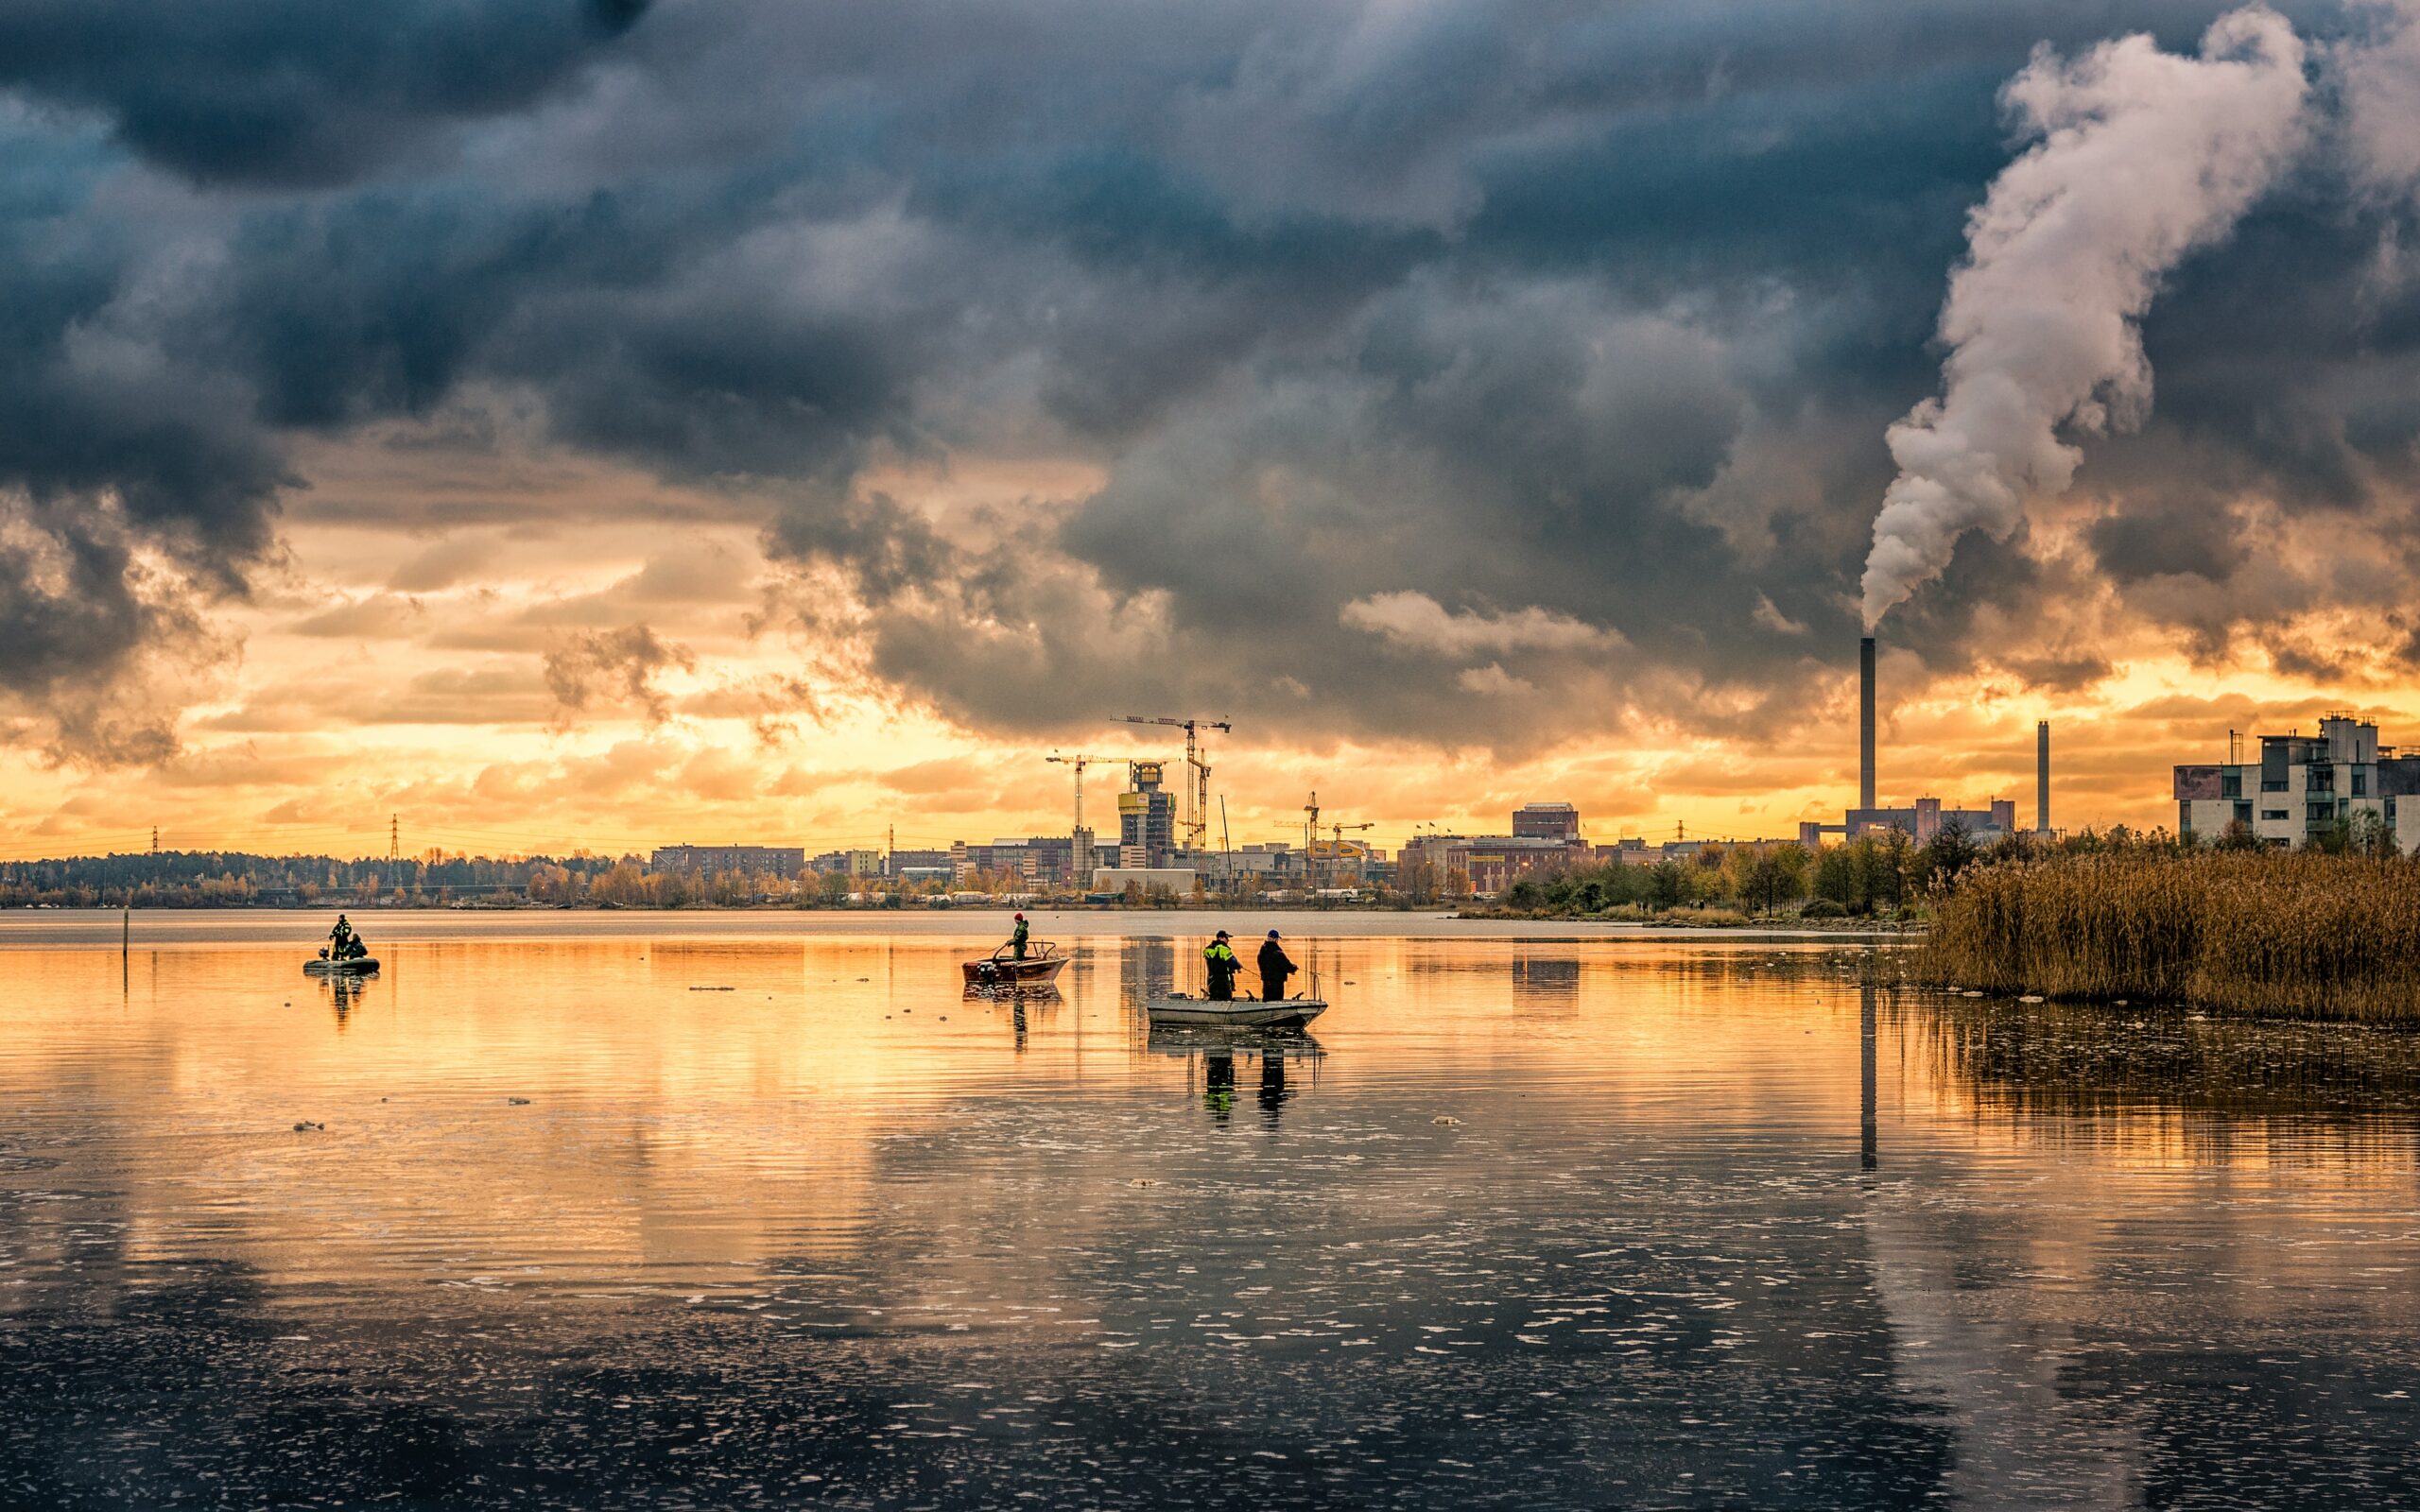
(2042, 777)
(1865, 722)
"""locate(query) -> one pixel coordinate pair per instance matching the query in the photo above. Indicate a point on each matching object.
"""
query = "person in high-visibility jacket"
(1218, 957)
(1017, 939)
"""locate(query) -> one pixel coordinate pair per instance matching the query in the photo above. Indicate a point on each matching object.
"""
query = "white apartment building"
(2302, 785)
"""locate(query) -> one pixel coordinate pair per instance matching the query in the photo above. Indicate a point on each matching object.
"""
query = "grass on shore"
(2304, 935)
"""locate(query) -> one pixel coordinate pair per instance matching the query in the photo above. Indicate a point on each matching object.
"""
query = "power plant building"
(2304, 786)
(1927, 816)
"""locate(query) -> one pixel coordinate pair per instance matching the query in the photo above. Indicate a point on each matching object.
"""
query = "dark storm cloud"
(1596, 312)
(290, 92)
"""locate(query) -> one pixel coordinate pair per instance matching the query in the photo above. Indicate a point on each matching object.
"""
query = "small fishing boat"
(357, 966)
(1243, 1013)
(1041, 967)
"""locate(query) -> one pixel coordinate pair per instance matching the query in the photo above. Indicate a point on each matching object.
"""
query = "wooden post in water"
(126, 943)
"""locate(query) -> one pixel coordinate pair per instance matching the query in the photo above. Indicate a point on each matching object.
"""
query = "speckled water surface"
(655, 1211)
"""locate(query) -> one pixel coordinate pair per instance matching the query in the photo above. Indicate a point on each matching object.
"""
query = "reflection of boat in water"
(1243, 1013)
(357, 966)
(1180, 1041)
(1218, 1049)
(1041, 967)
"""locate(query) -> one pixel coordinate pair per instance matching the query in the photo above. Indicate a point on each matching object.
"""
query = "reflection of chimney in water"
(1865, 722)
(1869, 1140)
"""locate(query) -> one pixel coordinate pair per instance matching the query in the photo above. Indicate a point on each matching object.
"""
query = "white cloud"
(1418, 622)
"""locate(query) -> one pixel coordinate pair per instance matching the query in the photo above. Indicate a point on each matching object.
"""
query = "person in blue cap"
(1274, 969)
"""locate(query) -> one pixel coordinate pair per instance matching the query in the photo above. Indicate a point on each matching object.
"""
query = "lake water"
(748, 1211)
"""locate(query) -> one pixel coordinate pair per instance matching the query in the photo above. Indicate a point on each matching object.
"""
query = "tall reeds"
(2304, 935)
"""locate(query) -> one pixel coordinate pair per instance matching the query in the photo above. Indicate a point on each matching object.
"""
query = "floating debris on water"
(1446, 1121)
(307, 1125)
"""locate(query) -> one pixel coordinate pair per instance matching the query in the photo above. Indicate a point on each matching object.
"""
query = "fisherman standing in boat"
(1220, 958)
(343, 944)
(1017, 939)
(1275, 966)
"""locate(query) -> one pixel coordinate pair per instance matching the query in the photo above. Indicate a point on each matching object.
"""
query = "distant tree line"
(235, 879)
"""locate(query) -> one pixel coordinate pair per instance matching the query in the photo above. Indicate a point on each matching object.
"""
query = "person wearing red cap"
(1017, 939)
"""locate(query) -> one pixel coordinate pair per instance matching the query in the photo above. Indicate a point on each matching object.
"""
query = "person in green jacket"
(1218, 957)
(1017, 939)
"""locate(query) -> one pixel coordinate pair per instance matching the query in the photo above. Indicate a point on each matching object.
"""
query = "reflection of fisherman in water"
(1218, 1085)
(1272, 1085)
(344, 993)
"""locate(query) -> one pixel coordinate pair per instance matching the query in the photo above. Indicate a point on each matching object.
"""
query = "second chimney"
(2042, 777)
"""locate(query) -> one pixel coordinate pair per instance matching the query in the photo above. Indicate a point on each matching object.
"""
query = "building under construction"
(1146, 817)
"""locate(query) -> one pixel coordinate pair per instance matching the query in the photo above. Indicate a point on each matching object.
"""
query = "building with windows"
(901, 862)
(1036, 858)
(1146, 818)
(782, 861)
(1547, 821)
(2304, 786)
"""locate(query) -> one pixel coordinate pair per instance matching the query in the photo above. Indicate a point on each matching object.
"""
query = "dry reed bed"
(2304, 935)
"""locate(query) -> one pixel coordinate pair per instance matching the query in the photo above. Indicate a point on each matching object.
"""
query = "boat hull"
(1289, 1013)
(361, 966)
(1028, 972)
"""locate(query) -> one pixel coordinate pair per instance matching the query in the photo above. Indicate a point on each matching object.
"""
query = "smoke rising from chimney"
(2143, 157)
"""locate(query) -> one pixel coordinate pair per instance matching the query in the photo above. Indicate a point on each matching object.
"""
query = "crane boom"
(1196, 792)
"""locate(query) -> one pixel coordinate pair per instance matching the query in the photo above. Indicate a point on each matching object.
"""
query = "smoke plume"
(2144, 156)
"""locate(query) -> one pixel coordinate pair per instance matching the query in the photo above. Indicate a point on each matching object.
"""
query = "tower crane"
(1080, 761)
(1196, 792)
(1079, 855)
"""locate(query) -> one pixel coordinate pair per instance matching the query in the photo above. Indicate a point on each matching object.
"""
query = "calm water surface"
(714, 1212)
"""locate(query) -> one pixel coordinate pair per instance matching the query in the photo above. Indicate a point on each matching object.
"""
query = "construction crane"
(1080, 762)
(1196, 792)
(1080, 843)
(1336, 847)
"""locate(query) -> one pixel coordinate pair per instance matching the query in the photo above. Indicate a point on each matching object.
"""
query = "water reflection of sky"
(606, 1220)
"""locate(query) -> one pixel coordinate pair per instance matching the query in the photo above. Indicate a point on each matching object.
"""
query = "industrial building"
(1928, 816)
(2303, 785)
(783, 861)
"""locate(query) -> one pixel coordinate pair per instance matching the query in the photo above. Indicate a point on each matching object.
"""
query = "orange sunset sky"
(786, 424)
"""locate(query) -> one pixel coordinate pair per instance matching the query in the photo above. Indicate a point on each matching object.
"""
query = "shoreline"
(105, 928)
